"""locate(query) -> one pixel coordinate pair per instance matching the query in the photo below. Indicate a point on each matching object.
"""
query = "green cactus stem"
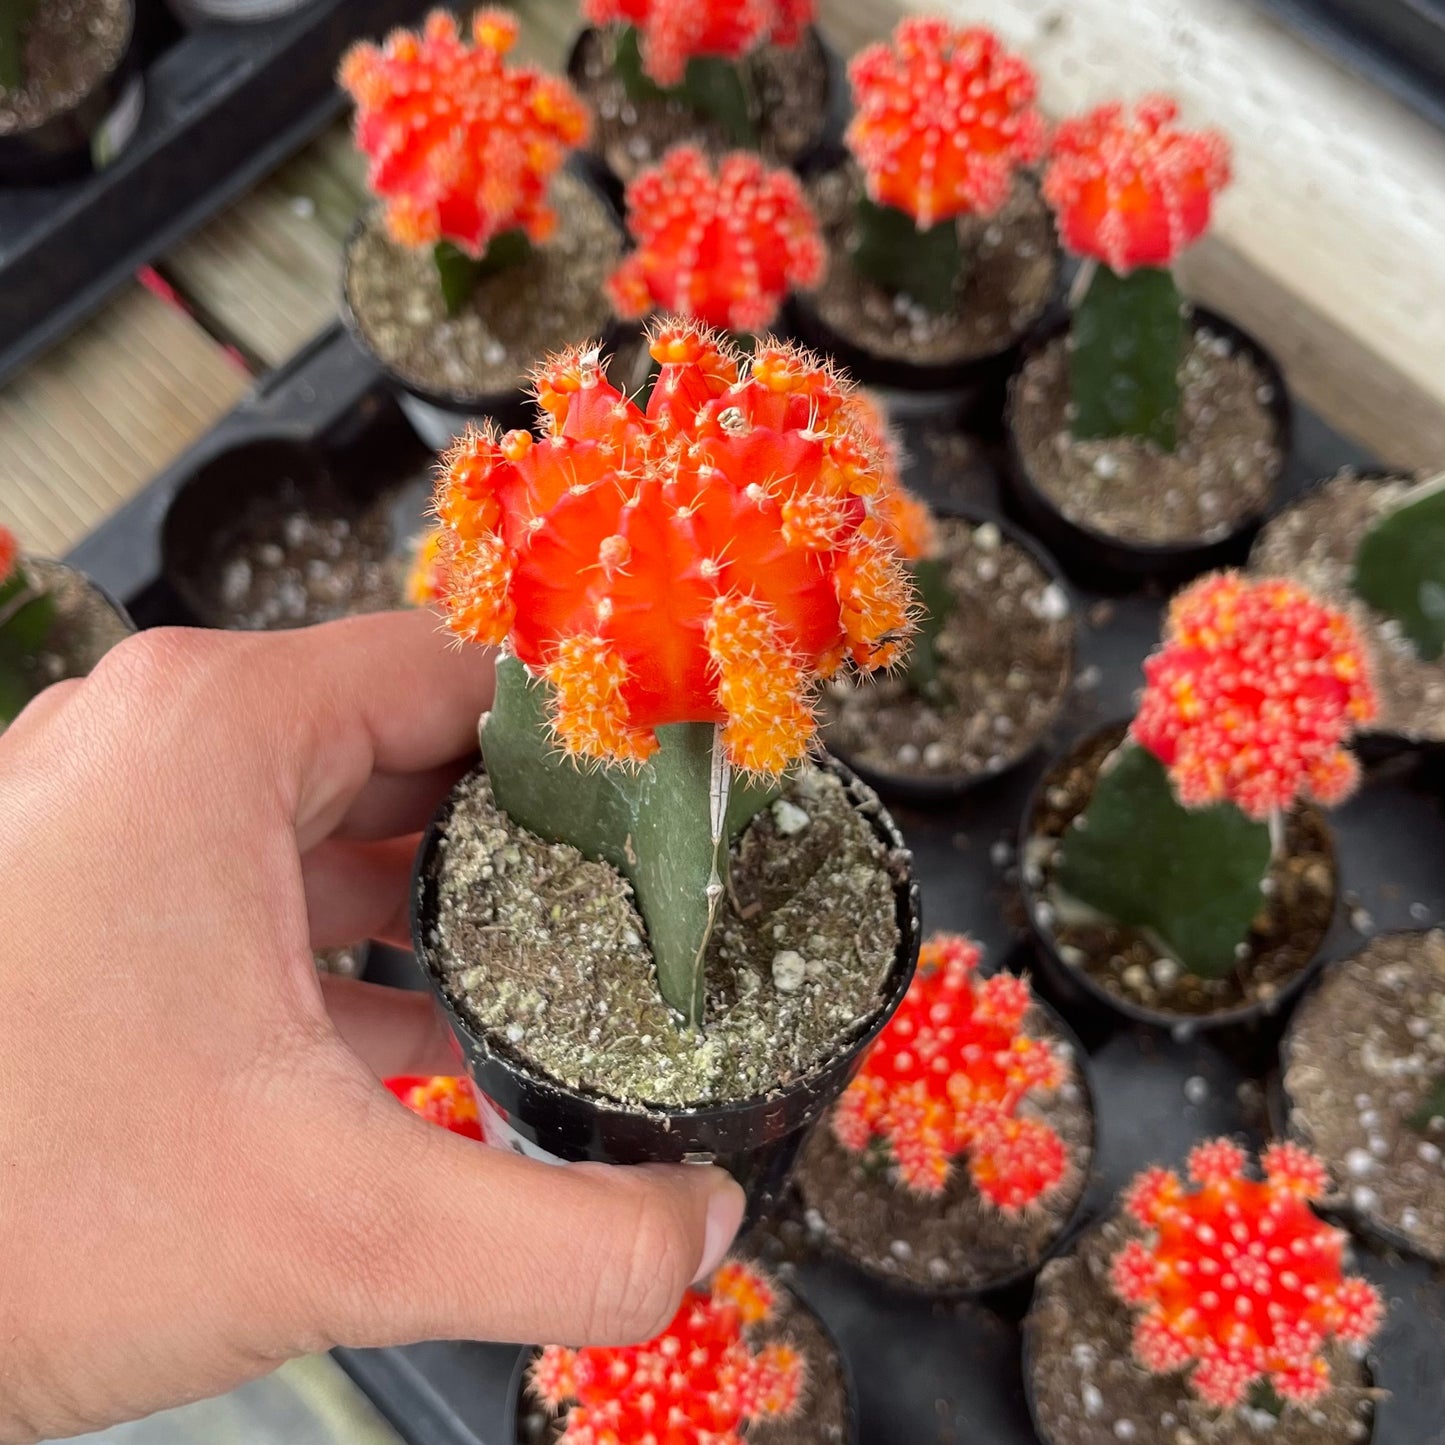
(887, 248)
(712, 87)
(666, 826)
(461, 274)
(1433, 1108)
(1125, 353)
(15, 17)
(1400, 567)
(1190, 879)
(934, 605)
(26, 616)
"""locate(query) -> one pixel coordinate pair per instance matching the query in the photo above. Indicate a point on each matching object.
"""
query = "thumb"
(447, 1238)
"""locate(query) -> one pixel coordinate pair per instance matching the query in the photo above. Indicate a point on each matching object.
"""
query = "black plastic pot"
(1098, 560)
(1008, 1293)
(48, 572)
(514, 1433)
(756, 1140)
(86, 137)
(1074, 989)
(944, 789)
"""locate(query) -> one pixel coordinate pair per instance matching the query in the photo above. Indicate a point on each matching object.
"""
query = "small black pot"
(756, 1140)
(1099, 560)
(85, 138)
(945, 789)
(1073, 989)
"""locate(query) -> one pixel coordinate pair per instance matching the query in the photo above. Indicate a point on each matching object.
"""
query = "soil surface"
(1295, 914)
(792, 89)
(1364, 1051)
(1088, 1389)
(546, 954)
(822, 1415)
(956, 1240)
(1015, 267)
(513, 322)
(1005, 657)
(70, 47)
(1222, 473)
(1315, 541)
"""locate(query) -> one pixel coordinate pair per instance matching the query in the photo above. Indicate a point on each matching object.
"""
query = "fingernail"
(725, 1210)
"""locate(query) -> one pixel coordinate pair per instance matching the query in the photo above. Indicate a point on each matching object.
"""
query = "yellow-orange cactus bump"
(703, 561)
(462, 148)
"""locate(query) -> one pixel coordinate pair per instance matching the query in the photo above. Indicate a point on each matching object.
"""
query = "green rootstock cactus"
(1426, 1118)
(711, 85)
(1245, 710)
(26, 617)
(14, 19)
(1400, 567)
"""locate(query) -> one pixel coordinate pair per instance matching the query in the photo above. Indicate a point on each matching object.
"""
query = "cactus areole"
(670, 586)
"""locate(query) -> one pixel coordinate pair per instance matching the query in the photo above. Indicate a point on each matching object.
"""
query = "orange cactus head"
(700, 1382)
(676, 31)
(895, 516)
(9, 553)
(1133, 189)
(1254, 693)
(1238, 1277)
(724, 246)
(440, 1099)
(946, 1078)
(945, 118)
(425, 583)
(462, 148)
(702, 561)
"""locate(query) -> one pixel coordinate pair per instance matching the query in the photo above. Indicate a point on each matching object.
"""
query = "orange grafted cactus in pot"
(1239, 1280)
(946, 1079)
(702, 1381)
(723, 246)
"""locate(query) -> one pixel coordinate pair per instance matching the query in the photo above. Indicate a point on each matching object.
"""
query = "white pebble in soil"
(790, 969)
(788, 818)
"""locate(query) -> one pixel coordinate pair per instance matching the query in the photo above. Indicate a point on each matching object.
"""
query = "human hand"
(200, 1174)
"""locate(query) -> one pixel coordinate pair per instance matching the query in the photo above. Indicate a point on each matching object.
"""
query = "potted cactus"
(1180, 867)
(484, 256)
(709, 73)
(737, 920)
(1373, 545)
(1147, 440)
(1364, 1081)
(942, 257)
(960, 1151)
(71, 93)
(990, 663)
(1206, 1311)
(55, 623)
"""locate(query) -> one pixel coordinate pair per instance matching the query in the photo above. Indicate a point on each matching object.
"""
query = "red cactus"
(676, 31)
(723, 247)
(1240, 1278)
(700, 562)
(461, 148)
(700, 1382)
(1133, 189)
(945, 117)
(1253, 695)
(440, 1099)
(946, 1077)
(9, 553)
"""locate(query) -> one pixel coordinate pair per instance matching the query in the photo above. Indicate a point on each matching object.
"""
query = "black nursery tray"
(926, 1373)
(224, 106)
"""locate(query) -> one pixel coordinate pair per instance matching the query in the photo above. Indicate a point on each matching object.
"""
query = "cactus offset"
(675, 581)
(1240, 1282)
(700, 1382)
(945, 119)
(440, 1099)
(1131, 190)
(722, 247)
(946, 1078)
(462, 148)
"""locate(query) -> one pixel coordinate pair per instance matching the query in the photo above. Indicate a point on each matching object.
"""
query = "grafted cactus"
(700, 1382)
(944, 120)
(723, 247)
(946, 1078)
(440, 1099)
(462, 147)
(1239, 1278)
(1246, 709)
(1131, 191)
(15, 16)
(671, 585)
(26, 616)
(1400, 567)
